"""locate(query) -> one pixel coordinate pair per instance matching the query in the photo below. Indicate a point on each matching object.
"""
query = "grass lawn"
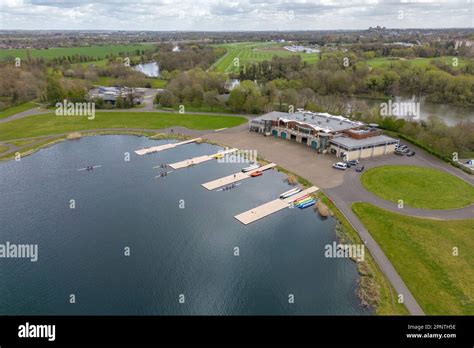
(202, 108)
(421, 250)
(419, 187)
(22, 142)
(99, 63)
(157, 83)
(3, 149)
(16, 109)
(112, 81)
(52, 124)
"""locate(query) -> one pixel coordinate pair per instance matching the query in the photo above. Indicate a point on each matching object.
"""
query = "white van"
(340, 165)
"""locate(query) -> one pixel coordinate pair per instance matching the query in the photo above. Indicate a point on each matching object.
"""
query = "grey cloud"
(243, 14)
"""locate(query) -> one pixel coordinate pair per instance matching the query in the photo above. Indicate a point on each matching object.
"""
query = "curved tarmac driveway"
(352, 190)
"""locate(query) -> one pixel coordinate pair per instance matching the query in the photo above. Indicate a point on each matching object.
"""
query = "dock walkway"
(197, 160)
(271, 207)
(230, 179)
(164, 147)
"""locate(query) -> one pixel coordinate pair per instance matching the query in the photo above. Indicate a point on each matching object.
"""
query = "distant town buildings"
(463, 43)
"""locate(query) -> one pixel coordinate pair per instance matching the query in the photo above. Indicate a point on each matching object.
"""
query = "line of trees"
(20, 85)
(432, 133)
(194, 87)
(343, 73)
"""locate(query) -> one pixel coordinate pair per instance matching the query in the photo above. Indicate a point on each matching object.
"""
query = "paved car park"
(301, 160)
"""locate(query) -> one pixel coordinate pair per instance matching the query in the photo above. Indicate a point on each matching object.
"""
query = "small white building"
(349, 148)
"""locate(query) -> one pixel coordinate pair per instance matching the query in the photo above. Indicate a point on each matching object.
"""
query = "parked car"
(360, 168)
(340, 165)
(352, 163)
(411, 153)
(402, 148)
(399, 152)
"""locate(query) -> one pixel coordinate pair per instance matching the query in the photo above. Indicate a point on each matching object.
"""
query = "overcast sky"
(234, 15)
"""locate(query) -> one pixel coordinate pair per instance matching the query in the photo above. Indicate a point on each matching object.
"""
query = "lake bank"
(312, 295)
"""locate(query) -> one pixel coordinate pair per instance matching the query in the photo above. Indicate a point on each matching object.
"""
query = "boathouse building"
(325, 133)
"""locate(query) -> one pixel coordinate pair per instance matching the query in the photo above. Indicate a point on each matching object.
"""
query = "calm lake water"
(151, 69)
(173, 251)
(450, 114)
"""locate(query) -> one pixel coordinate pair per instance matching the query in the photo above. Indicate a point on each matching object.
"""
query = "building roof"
(317, 120)
(352, 143)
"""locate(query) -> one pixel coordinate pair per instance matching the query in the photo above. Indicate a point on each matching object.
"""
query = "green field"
(421, 251)
(384, 62)
(251, 52)
(3, 149)
(203, 109)
(112, 81)
(50, 124)
(99, 63)
(419, 187)
(16, 109)
(158, 83)
(98, 52)
(22, 142)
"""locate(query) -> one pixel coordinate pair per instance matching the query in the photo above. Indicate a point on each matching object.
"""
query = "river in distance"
(181, 237)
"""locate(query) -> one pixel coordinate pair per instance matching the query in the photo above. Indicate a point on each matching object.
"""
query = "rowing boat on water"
(290, 193)
(308, 204)
(249, 168)
(89, 168)
(226, 188)
(301, 198)
(306, 200)
(163, 174)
